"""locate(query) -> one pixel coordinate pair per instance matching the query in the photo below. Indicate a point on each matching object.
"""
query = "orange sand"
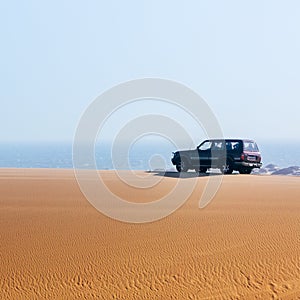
(54, 245)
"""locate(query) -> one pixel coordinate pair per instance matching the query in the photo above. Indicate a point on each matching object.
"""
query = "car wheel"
(246, 171)
(182, 166)
(227, 169)
(202, 170)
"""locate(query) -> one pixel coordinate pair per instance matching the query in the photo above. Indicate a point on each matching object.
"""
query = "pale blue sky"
(242, 57)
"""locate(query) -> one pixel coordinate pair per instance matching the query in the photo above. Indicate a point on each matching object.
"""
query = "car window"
(250, 146)
(205, 146)
(217, 145)
(232, 146)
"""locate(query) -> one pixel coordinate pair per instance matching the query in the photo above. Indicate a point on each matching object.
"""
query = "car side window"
(219, 145)
(205, 146)
(250, 146)
(228, 146)
(232, 146)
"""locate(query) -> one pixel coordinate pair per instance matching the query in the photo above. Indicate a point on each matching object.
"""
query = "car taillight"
(242, 156)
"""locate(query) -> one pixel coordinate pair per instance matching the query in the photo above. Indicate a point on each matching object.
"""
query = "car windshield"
(250, 146)
(205, 146)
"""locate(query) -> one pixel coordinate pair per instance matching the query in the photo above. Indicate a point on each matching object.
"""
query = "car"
(228, 155)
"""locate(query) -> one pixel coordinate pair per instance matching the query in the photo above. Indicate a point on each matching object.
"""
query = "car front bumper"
(174, 161)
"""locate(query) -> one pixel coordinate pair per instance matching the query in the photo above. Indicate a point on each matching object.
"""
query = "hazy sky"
(242, 57)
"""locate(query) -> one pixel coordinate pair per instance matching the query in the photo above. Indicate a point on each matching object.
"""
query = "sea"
(140, 156)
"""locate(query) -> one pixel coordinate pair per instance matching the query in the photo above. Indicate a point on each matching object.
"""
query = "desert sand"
(55, 245)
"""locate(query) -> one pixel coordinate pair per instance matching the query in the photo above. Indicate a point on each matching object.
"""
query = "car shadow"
(183, 175)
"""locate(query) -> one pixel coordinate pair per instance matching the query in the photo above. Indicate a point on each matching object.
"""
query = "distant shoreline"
(269, 170)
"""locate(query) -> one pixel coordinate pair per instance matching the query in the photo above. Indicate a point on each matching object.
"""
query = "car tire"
(202, 170)
(227, 169)
(245, 171)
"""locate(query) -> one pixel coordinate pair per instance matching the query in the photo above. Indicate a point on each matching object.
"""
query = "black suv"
(227, 155)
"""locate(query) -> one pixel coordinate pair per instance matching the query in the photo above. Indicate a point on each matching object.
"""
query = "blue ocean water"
(140, 156)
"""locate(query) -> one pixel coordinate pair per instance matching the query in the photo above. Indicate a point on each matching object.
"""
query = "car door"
(204, 151)
(218, 153)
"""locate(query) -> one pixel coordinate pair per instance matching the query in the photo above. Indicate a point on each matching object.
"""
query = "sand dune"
(54, 245)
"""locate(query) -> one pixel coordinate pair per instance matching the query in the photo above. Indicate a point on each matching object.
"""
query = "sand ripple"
(55, 245)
